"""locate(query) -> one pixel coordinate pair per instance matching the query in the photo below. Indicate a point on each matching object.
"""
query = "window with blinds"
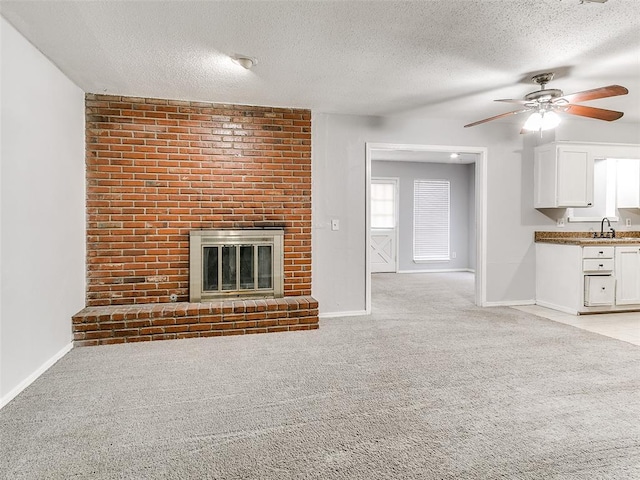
(430, 220)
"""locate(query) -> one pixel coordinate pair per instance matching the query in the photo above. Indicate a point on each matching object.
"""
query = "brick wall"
(157, 169)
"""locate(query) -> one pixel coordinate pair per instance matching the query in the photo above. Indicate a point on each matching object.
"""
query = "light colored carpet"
(429, 387)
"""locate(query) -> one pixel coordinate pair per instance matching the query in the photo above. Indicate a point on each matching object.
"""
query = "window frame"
(396, 201)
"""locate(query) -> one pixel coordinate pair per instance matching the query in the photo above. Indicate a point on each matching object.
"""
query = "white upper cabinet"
(628, 183)
(563, 175)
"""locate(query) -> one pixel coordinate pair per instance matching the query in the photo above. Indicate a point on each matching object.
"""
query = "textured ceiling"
(449, 58)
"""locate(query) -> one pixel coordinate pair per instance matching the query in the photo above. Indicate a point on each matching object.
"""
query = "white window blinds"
(430, 220)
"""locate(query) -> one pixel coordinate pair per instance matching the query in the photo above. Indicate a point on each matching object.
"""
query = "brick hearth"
(166, 321)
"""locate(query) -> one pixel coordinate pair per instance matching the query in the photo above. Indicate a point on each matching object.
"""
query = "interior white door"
(384, 225)
(383, 251)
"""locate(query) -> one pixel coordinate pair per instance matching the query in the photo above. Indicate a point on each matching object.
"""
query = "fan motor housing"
(545, 95)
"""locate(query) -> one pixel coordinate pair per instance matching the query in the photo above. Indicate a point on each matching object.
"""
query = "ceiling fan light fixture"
(533, 123)
(550, 120)
(538, 121)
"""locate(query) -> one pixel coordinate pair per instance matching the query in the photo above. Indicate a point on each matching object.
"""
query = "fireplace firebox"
(235, 264)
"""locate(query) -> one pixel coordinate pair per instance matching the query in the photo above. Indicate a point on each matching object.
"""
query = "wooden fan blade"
(591, 112)
(603, 92)
(498, 116)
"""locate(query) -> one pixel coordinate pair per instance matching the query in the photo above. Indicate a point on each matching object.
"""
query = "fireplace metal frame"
(198, 239)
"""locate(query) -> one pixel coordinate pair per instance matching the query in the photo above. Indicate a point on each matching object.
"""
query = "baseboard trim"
(509, 303)
(32, 378)
(562, 309)
(440, 270)
(352, 313)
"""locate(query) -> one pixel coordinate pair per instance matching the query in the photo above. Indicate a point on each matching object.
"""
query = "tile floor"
(623, 326)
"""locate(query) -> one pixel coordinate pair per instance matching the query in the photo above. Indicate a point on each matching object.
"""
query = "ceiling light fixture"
(454, 155)
(244, 61)
(541, 120)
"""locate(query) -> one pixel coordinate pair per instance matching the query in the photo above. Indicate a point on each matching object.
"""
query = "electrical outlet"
(560, 222)
(335, 224)
(627, 222)
(453, 254)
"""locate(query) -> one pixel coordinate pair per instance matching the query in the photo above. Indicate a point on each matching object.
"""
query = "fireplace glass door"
(235, 267)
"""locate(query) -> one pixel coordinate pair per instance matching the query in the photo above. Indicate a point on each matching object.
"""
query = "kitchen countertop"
(586, 239)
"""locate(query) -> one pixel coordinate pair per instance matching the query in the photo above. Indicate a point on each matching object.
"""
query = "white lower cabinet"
(628, 275)
(576, 279)
(599, 290)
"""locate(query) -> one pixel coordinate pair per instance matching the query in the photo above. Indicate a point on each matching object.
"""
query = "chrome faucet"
(610, 234)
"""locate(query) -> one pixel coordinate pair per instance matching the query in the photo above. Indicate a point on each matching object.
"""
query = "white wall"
(339, 192)
(42, 214)
(588, 130)
(458, 176)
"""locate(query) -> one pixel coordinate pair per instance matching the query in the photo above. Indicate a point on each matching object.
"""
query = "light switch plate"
(335, 224)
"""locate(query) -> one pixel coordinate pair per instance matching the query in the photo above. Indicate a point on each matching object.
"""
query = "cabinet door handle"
(600, 253)
(603, 288)
(601, 265)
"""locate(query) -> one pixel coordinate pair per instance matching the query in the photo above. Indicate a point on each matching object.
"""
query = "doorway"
(434, 154)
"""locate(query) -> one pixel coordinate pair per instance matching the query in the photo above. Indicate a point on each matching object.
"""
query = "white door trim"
(480, 205)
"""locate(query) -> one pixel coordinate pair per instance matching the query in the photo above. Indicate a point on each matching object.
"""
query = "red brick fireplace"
(158, 169)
